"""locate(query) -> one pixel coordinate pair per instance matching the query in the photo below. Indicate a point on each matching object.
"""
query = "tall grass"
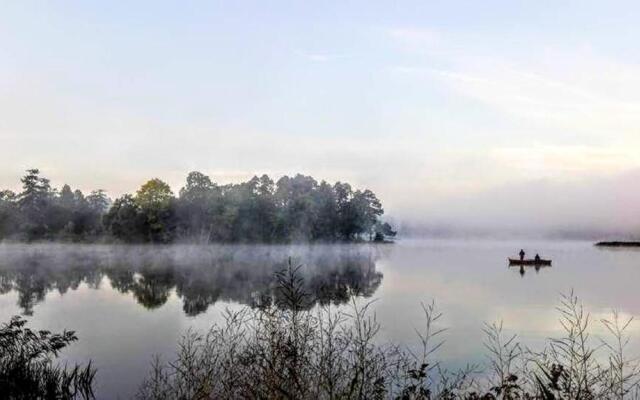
(283, 350)
(27, 369)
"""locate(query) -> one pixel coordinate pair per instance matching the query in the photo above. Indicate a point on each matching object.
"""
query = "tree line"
(259, 210)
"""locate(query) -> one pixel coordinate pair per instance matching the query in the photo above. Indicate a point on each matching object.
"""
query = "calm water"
(127, 303)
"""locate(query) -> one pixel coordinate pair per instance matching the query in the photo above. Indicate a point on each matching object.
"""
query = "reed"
(27, 368)
(283, 350)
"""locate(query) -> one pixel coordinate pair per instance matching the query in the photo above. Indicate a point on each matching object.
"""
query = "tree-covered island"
(293, 209)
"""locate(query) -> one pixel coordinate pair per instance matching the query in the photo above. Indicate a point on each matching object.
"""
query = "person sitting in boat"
(521, 254)
(537, 258)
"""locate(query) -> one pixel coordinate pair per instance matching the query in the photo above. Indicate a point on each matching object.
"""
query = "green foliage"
(40, 212)
(293, 209)
(382, 231)
(155, 202)
(98, 201)
(289, 210)
(125, 220)
(35, 204)
(259, 210)
(155, 194)
(9, 214)
(27, 369)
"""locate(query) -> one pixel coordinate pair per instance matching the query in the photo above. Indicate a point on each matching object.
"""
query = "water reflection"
(200, 276)
(522, 269)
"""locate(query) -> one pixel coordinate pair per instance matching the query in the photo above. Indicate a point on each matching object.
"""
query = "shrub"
(286, 351)
(27, 369)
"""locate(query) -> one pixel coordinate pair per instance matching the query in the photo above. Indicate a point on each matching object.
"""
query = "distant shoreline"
(618, 244)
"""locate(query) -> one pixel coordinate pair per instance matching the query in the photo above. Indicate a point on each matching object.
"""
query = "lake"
(128, 303)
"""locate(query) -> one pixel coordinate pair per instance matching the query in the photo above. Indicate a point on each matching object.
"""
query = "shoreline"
(618, 244)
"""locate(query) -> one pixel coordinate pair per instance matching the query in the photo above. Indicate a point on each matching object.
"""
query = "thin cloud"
(588, 102)
(416, 36)
(320, 57)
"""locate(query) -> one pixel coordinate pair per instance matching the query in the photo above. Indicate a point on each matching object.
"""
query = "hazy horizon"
(469, 116)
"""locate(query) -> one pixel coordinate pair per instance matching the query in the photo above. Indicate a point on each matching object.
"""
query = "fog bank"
(586, 208)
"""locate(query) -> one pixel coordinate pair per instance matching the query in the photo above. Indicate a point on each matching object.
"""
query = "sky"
(466, 113)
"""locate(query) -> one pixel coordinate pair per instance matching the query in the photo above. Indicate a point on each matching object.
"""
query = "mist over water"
(138, 137)
(199, 275)
(128, 303)
(587, 208)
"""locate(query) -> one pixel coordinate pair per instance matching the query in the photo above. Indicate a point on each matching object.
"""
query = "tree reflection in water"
(200, 275)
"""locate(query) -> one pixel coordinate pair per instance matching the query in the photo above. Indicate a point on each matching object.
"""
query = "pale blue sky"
(425, 102)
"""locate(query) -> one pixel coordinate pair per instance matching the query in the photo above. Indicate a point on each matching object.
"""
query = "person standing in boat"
(521, 254)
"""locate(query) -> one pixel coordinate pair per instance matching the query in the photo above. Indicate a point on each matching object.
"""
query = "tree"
(86, 221)
(245, 225)
(265, 209)
(367, 208)
(154, 194)
(384, 230)
(9, 214)
(325, 225)
(97, 205)
(156, 202)
(41, 212)
(66, 198)
(346, 219)
(98, 201)
(60, 215)
(125, 220)
(33, 203)
(292, 209)
(297, 215)
(198, 187)
(199, 207)
(72, 215)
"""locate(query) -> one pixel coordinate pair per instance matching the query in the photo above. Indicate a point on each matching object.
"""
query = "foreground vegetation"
(27, 369)
(283, 349)
(259, 210)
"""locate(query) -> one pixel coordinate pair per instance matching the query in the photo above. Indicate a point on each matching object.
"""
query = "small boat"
(517, 261)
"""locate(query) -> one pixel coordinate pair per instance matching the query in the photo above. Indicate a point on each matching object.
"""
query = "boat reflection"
(523, 268)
